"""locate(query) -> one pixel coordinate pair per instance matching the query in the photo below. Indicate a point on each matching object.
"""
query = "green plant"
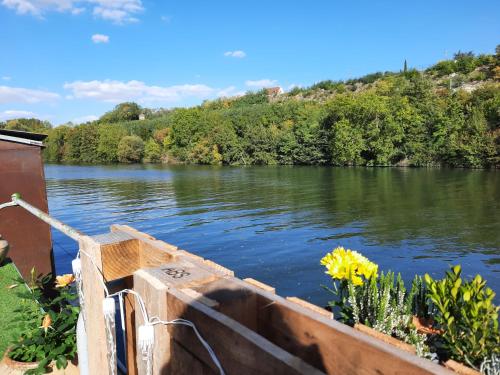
(380, 302)
(467, 315)
(47, 322)
(384, 304)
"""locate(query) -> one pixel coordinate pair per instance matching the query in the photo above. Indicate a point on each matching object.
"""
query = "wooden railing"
(250, 328)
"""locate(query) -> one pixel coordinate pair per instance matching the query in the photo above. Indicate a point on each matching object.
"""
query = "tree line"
(415, 118)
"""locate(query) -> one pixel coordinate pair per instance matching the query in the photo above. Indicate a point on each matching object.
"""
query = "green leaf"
(467, 296)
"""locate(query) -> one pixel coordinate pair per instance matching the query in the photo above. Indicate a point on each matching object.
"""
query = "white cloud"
(117, 11)
(229, 91)
(261, 83)
(119, 91)
(100, 38)
(166, 19)
(12, 113)
(238, 54)
(6, 78)
(22, 95)
(81, 120)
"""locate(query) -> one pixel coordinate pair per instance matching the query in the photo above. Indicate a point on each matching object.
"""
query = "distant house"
(142, 116)
(274, 91)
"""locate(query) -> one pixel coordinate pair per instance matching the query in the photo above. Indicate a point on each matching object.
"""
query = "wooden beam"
(386, 338)
(240, 350)
(311, 307)
(260, 285)
(153, 293)
(94, 294)
(334, 347)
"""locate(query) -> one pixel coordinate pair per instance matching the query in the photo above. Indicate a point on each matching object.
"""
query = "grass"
(9, 301)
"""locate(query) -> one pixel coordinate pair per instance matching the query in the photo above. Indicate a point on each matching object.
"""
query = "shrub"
(48, 321)
(152, 151)
(467, 315)
(130, 149)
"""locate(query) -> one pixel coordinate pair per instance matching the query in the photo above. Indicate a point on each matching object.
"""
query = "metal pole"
(66, 229)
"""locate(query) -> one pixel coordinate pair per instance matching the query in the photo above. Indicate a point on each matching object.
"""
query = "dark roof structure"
(22, 137)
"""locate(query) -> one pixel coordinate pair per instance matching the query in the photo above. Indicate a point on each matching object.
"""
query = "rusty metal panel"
(21, 171)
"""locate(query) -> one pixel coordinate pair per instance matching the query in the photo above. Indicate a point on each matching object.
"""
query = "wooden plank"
(386, 338)
(240, 350)
(234, 301)
(129, 302)
(94, 295)
(153, 293)
(311, 307)
(260, 285)
(201, 298)
(183, 274)
(219, 268)
(185, 362)
(132, 231)
(334, 347)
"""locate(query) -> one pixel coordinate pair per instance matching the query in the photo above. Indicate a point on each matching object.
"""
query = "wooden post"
(94, 294)
(153, 292)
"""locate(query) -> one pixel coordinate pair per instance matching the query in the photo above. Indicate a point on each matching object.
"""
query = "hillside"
(447, 115)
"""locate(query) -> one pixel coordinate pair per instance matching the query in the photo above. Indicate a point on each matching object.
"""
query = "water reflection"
(275, 223)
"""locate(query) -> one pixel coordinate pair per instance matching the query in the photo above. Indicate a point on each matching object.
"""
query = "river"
(275, 223)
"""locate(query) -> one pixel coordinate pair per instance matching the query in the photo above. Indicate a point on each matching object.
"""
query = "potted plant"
(450, 320)
(377, 305)
(46, 321)
(467, 318)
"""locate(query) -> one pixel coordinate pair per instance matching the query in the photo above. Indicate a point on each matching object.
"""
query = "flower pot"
(460, 368)
(385, 338)
(425, 326)
(9, 366)
(4, 249)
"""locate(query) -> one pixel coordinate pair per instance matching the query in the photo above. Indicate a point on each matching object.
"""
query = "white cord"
(146, 347)
(155, 320)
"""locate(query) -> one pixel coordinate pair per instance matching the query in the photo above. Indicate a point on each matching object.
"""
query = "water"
(275, 223)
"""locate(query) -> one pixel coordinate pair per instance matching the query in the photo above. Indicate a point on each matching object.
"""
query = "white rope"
(8, 204)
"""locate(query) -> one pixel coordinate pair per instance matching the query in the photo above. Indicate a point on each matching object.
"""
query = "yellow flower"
(350, 265)
(64, 280)
(46, 323)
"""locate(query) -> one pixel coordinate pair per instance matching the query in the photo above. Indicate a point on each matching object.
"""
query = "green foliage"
(384, 304)
(123, 112)
(47, 321)
(109, 137)
(130, 149)
(28, 125)
(152, 151)
(466, 313)
(381, 119)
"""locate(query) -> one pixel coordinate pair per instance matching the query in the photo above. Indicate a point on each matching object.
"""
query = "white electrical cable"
(155, 320)
(108, 309)
(146, 331)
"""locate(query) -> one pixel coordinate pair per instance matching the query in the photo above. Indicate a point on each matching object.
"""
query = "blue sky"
(70, 60)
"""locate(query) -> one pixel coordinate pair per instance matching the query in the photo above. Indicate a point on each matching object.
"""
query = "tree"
(109, 137)
(130, 149)
(405, 67)
(346, 144)
(152, 151)
(28, 125)
(465, 62)
(128, 111)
